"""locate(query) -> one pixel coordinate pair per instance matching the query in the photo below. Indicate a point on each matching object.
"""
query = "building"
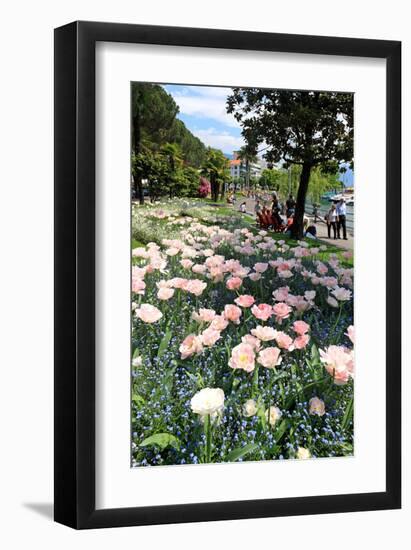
(238, 167)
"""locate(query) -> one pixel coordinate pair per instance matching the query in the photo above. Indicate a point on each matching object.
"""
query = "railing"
(324, 208)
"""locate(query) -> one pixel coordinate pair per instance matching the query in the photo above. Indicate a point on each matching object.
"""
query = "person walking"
(290, 203)
(342, 218)
(331, 221)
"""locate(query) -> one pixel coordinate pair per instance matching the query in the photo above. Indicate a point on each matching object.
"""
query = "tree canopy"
(215, 169)
(164, 151)
(305, 128)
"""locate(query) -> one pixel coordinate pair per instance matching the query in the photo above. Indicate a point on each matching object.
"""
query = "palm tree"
(249, 156)
(215, 169)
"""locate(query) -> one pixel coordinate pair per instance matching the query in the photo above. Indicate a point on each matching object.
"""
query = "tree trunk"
(138, 189)
(222, 191)
(297, 228)
(247, 173)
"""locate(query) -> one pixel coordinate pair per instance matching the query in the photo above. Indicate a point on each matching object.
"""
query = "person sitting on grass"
(243, 208)
(311, 232)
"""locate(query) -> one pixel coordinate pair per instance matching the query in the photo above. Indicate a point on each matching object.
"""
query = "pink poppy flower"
(285, 274)
(265, 334)
(204, 315)
(269, 357)
(332, 301)
(329, 282)
(301, 341)
(191, 344)
(234, 283)
(255, 277)
(322, 268)
(300, 327)
(245, 300)
(178, 282)
(219, 323)
(281, 311)
(252, 340)
(316, 406)
(284, 341)
(210, 336)
(339, 363)
(281, 294)
(232, 313)
(242, 357)
(342, 294)
(199, 269)
(148, 313)
(262, 311)
(186, 263)
(309, 295)
(260, 267)
(138, 286)
(165, 293)
(196, 287)
(351, 333)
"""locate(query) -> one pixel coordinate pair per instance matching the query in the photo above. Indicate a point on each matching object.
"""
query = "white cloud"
(219, 140)
(205, 102)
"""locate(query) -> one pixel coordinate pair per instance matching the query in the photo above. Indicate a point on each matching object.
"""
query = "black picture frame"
(74, 460)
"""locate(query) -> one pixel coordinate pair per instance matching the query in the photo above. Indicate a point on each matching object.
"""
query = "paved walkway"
(321, 229)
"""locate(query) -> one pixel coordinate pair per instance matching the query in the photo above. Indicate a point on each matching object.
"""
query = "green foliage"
(164, 343)
(241, 451)
(164, 151)
(161, 440)
(273, 179)
(215, 169)
(310, 129)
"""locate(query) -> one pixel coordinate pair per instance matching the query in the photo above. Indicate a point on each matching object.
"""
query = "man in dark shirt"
(290, 205)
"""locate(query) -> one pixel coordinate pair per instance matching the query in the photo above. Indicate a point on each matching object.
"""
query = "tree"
(154, 125)
(193, 149)
(153, 111)
(248, 154)
(308, 129)
(273, 178)
(215, 169)
(172, 153)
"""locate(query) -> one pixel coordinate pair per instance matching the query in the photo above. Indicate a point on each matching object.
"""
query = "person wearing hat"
(341, 218)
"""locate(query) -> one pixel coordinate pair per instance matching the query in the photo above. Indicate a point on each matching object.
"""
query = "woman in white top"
(331, 219)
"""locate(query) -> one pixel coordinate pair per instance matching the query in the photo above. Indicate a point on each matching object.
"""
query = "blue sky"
(202, 109)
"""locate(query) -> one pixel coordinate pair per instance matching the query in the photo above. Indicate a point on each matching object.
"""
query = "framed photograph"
(227, 275)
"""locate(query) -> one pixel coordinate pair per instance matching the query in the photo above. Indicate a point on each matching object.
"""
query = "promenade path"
(320, 225)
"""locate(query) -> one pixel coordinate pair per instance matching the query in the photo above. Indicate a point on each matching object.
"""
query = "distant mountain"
(347, 178)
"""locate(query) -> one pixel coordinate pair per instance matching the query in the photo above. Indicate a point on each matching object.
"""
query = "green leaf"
(137, 399)
(164, 343)
(162, 440)
(315, 356)
(261, 415)
(135, 353)
(280, 377)
(241, 451)
(348, 414)
(280, 431)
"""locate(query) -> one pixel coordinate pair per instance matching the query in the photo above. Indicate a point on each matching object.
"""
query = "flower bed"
(242, 343)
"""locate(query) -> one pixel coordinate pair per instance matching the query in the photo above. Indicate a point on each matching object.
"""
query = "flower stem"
(207, 431)
(255, 382)
(337, 321)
